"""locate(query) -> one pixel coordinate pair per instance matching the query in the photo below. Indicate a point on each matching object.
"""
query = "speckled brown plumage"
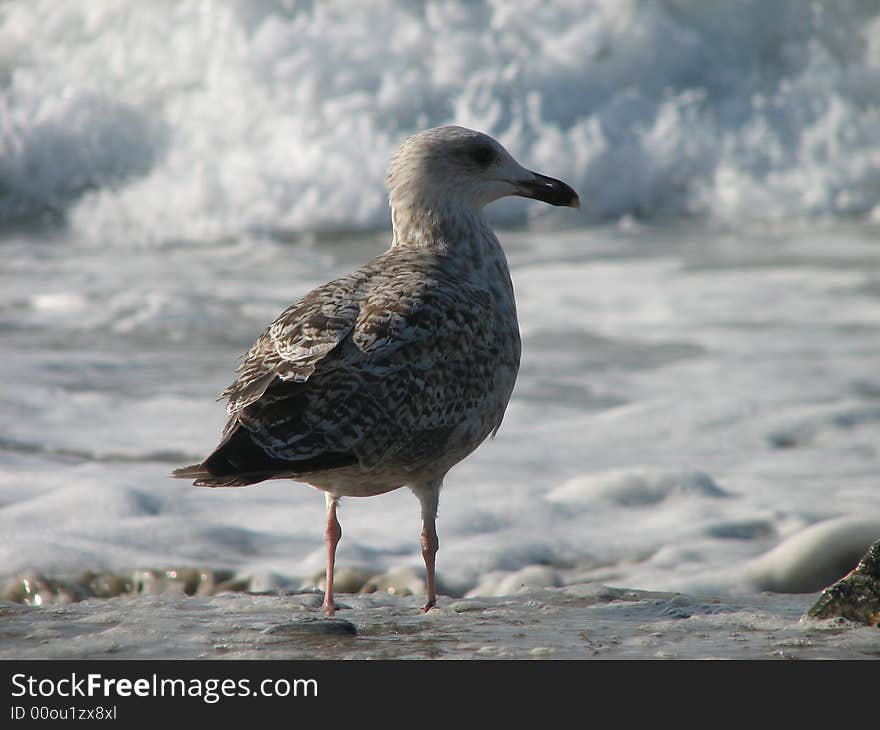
(399, 367)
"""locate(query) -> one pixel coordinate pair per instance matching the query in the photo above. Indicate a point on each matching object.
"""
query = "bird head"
(456, 166)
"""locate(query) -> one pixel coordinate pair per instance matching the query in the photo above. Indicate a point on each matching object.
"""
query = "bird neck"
(464, 238)
(457, 230)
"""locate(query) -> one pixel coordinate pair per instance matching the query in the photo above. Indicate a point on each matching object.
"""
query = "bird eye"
(483, 155)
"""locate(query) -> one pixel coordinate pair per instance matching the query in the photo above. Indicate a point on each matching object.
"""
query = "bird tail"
(204, 478)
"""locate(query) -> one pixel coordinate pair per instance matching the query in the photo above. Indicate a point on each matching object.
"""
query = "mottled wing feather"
(395, 391)
(395, 365)
(409, 380)
(290, 348)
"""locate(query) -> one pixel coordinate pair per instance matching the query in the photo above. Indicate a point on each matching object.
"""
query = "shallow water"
(579, 622)
(689, 398)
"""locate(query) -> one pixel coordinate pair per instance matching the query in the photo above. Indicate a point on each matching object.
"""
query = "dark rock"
(855, 597)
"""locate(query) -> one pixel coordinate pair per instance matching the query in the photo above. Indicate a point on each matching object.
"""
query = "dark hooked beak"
(549, 190)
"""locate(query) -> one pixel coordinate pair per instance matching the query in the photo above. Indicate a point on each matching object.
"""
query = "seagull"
(389, 376)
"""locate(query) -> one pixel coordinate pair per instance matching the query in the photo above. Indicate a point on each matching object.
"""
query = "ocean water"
(699, 402)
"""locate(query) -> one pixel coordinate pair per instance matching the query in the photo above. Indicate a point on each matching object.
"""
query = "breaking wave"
(199, 120)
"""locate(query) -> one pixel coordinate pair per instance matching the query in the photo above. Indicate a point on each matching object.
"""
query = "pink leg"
(429, 553)
(429, 496)
(331, 536)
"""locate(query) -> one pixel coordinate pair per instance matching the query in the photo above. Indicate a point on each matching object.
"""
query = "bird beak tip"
(548, 190)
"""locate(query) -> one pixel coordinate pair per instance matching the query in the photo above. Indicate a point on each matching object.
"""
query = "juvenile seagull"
(389, 376)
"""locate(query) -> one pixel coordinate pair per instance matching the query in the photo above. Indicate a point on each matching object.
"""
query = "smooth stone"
(150, 581)
(345, 580)
(314, 627)
(106, 584)
(403, 582)
(30, 587)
